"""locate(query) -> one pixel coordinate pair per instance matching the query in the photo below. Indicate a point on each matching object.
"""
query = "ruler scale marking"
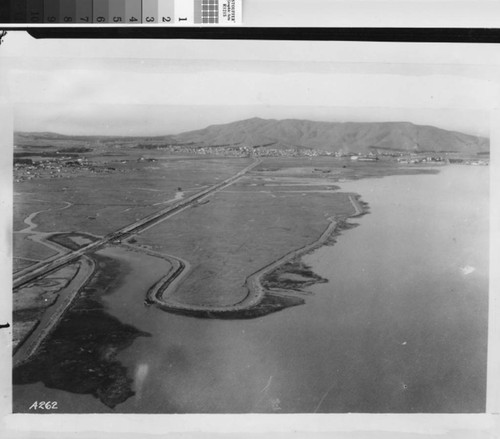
(133, 12)
(121, 12)
(150, 11)
(116, 11)
(184, 12)
(101, 13)
(51, 11)
(18, 11)
(67, 11)
(34, 11)
(83, 13)
(166, 12)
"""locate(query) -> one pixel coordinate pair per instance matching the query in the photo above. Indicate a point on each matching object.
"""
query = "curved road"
(160, 293)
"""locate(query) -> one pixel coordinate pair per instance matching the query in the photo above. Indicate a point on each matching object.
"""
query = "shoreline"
(29, 346)
(79, 355)
(259, 300)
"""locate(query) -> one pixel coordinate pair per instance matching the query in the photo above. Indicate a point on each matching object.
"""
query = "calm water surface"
(401, 326)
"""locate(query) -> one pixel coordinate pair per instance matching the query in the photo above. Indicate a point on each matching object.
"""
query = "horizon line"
(248, 119)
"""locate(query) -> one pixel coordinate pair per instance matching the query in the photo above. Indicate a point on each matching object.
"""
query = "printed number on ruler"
(124, 12)
(165, 11)
(150, 11)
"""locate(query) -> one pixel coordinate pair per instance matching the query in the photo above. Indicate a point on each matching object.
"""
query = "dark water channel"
(401, 326)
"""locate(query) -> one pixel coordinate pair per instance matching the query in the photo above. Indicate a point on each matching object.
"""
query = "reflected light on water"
(140, 376)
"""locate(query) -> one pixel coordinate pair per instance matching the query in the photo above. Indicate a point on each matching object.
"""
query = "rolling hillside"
(334, 136)
(345, 137)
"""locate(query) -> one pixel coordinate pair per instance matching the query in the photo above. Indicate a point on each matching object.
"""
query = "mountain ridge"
(335, 136)
(344, 137)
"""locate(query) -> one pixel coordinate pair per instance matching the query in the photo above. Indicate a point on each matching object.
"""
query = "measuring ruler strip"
(123, 12)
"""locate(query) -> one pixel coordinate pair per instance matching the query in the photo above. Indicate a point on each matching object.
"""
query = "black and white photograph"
(250, 227)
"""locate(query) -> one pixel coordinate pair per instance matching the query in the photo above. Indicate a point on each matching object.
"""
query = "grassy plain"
(100, 203)
(33, 251)
(238, 232)
(282, 205)
(24, 205)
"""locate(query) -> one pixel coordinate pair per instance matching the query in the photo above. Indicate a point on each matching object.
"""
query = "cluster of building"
(66, 166)
(459, 161)
(414, 159)
(371, 157)
(241, 150)
(443, 160)
(291, 151)
(28, 169)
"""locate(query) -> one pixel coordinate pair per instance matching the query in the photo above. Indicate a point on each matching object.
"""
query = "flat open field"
(27, 252)
(238, 232)
(280, 206)
(100, 203)
(335, 168)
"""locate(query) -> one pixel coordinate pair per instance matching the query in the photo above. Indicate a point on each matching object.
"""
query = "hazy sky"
(162, 87)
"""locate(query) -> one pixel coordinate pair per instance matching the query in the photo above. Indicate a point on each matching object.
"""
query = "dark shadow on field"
(72, 240)
(80, 355)
(270, 303)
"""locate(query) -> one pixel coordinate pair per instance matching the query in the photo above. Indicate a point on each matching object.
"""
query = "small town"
(29, 169)
(71, 165)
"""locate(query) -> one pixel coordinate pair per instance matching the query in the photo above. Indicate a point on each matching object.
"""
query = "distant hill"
(335, 136)
(291, 133)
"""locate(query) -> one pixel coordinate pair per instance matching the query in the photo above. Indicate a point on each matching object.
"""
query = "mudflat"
(238, 250)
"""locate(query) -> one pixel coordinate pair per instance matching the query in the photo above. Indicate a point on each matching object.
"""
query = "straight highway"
(45, 267)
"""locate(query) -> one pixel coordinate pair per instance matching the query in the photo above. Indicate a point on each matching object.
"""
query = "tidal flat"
(132, 357)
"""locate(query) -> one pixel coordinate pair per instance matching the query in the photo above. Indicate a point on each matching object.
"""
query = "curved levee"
(258, 300)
